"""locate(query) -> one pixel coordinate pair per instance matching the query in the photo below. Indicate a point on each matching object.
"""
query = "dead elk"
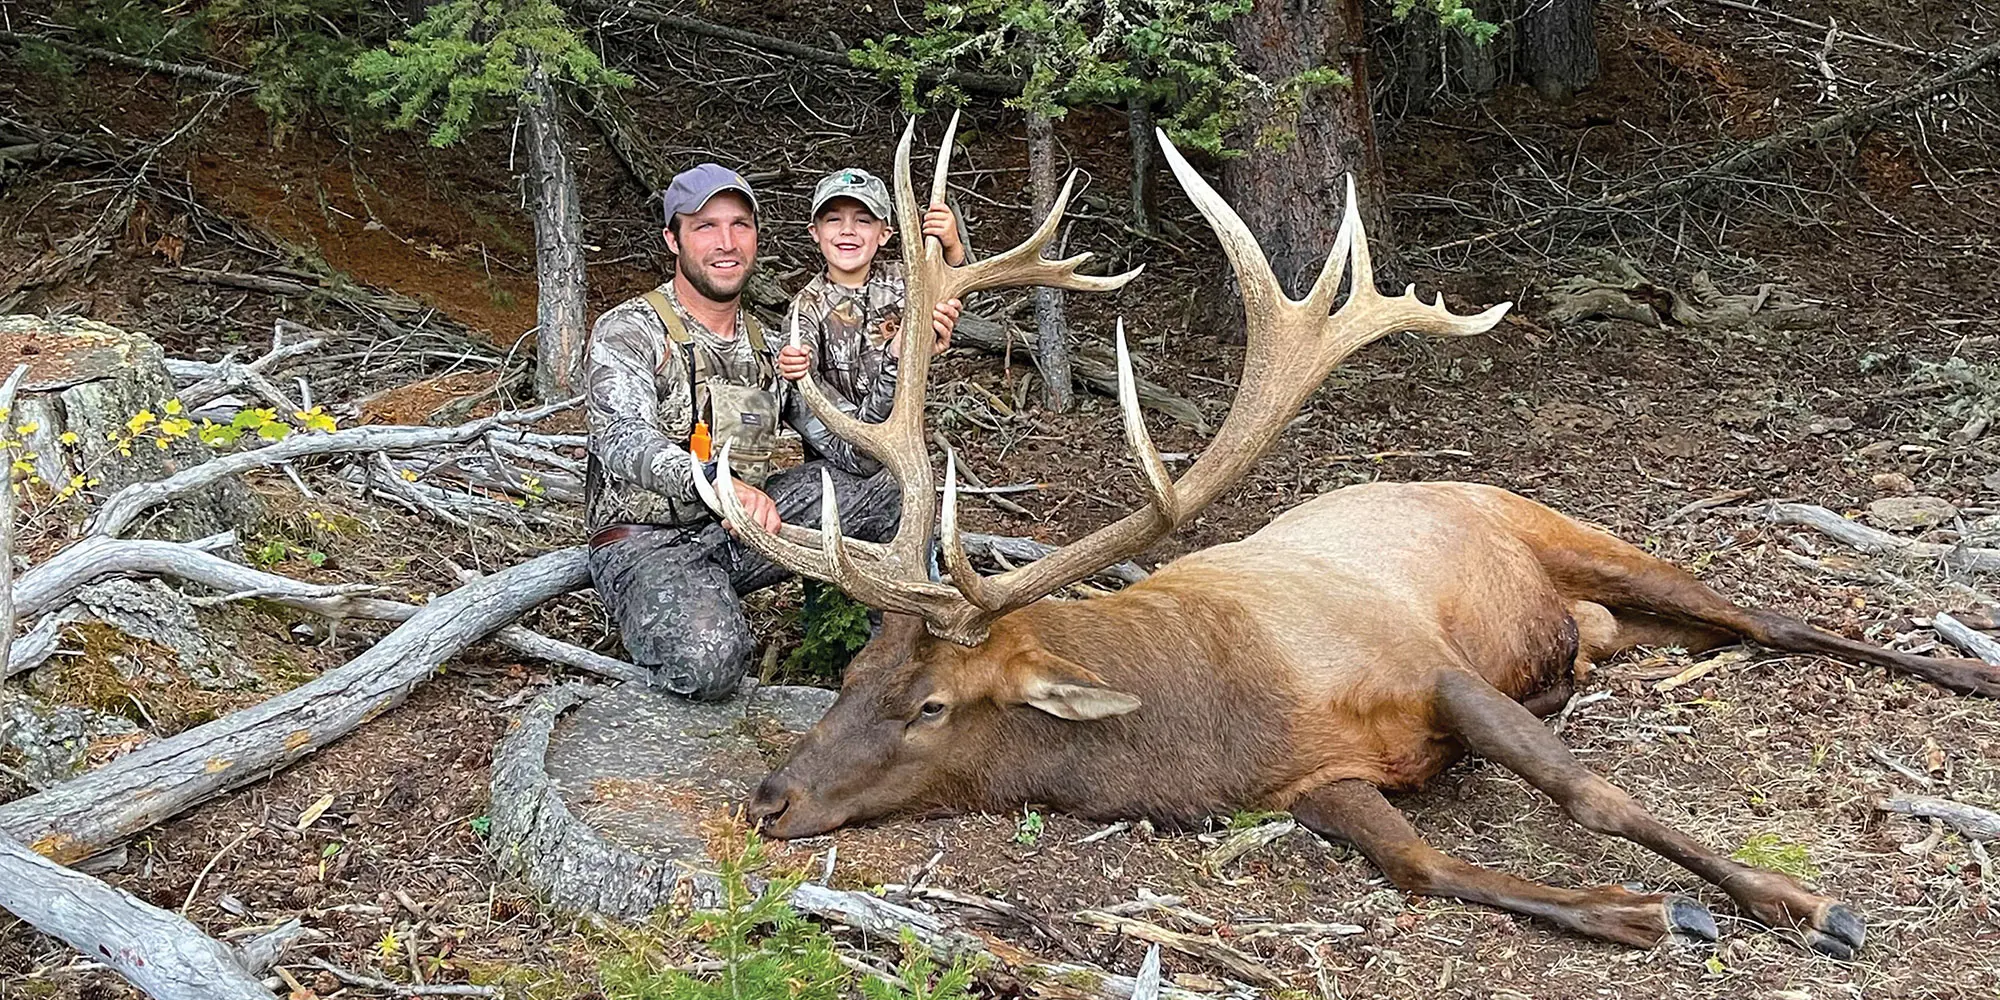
(1360, 642)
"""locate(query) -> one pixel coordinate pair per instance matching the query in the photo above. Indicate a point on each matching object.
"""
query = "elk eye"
(932, 709)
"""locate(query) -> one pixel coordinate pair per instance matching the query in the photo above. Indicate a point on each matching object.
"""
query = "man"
(681, 367)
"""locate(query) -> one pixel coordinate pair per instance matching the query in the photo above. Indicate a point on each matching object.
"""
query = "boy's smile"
(848, 235)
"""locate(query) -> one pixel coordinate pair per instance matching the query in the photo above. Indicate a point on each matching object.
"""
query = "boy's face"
(848, 234)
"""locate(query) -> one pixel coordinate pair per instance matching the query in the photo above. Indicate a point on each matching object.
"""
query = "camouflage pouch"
(746, 419)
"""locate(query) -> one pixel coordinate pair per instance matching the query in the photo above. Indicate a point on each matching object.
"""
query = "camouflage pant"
(676, 593)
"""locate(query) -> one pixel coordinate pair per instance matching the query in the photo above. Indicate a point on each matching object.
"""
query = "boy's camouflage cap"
(855, 183)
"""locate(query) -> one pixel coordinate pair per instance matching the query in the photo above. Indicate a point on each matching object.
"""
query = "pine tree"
(469, 57)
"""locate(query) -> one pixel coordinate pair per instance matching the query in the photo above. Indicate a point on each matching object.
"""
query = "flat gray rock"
(1910, 513)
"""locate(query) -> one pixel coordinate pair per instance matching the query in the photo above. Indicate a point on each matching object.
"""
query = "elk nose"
(773, 797)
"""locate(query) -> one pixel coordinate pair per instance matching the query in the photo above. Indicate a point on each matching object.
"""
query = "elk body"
(1360, 642)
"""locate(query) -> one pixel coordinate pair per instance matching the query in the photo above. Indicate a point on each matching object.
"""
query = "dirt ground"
(1888, 240)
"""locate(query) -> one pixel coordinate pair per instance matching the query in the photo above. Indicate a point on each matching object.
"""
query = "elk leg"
(1355, 811)
(1493, 725)
(1654, 598)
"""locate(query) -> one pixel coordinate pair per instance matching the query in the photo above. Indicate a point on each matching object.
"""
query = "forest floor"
(1885, 241)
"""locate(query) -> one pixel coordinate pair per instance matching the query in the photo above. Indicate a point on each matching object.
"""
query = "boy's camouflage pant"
(676, 593)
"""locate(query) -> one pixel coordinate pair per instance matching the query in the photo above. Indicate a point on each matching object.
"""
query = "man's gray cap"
(693, 187)
(855, 183)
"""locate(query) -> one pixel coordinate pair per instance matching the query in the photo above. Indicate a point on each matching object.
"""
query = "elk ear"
(1067, 691)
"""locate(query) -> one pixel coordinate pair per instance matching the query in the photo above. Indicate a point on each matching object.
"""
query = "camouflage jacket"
(847, 330)
(639, 399)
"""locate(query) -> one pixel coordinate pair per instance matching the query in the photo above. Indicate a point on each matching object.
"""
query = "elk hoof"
(1689, 921)
(1837, 932)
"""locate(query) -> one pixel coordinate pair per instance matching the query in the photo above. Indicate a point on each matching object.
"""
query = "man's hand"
(794, 363)
(944, 319)
(757, 504)
(941, 223)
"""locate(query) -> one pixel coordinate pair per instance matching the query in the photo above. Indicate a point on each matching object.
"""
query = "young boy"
(849, 317)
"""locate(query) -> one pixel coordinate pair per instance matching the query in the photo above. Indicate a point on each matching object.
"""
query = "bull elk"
(1358, 643)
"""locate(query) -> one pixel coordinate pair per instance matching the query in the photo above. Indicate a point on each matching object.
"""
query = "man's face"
(717, 246)
(848, 235)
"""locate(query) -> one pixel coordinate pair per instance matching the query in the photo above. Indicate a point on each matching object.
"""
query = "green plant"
(836, 627)
(793, 959)
(467, 54)
(921, 978)
(1028, 830)
(1244, 820)
(1768, 850)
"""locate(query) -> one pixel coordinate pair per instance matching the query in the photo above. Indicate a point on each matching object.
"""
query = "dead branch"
(157, 951)
(1971, 640)
(226, 376)
(1874, 541)
(13, 384)
(1751, 154)
(1845, 32)
(50, 585)
(136, 62)
(1246, 841)
(402, 989)
(148, 785)
(1209, 950)
(124, 506)
(1092, 364)
(1972, 821)
(1000, 547)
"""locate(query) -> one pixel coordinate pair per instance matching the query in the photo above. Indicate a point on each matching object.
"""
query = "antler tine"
(1024, 264)
(1165, 499)
(721, 497)
(909, 225)
(966, 579)
(1254, 278)
(941, 172)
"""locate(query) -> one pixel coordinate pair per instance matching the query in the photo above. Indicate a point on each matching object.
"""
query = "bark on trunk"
(1139, 123)
(85, 814)
(1557, 41)
(160, 953)
(558, 245)
(1288, 187)
(1051, 328)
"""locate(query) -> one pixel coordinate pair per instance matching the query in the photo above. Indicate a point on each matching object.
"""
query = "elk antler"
(1292, 345)
(895, 576)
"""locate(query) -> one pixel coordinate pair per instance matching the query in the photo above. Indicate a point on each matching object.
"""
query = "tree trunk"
(1557, 42)
(1052, 330)
(160, 953)
(1139, 122)
(558, 245)
(81, 816)
(1289, 186)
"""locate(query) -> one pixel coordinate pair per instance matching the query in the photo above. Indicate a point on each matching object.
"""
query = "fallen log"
(157, 951)
(123, 507)
(1972, 821)
(80, 816)
(1874, 541)
(1092, 364)
(1972, 641)
(49, 586)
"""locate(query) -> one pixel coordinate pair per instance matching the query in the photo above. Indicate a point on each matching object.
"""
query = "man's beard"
(700, 280)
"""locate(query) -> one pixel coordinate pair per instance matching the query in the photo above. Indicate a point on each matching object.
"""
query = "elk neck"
(1214, 730)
